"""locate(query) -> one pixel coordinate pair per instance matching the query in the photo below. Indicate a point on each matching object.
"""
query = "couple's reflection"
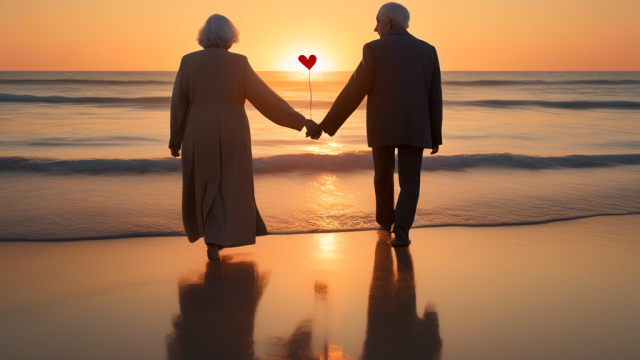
(394, 330)
(217, 315)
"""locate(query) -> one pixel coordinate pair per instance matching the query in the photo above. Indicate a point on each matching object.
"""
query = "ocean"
(83, 155)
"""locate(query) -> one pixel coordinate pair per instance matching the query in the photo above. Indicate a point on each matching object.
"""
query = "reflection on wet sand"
(217, 314)
(332, 205)
(297, 346)
(218, 311)
(394, 330)
(565, 290)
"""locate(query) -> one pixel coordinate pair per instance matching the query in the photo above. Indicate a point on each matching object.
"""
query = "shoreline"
(178, 234)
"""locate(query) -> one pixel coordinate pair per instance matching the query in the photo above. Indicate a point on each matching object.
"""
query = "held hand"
(435, 149)
(314, 130)
(175, 152)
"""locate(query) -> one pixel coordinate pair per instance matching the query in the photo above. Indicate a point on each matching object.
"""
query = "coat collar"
(399, 31)
(217, 48)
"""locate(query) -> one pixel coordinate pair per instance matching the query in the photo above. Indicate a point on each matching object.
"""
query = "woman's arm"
(179, 109)
(272, 106)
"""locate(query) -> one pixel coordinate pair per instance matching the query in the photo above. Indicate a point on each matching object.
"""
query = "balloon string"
(310, 96)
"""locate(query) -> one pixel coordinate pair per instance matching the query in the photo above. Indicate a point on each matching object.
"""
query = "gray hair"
(398, 14)
(218, 31)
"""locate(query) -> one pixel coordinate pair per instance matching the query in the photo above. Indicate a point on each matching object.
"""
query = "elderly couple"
(399, 73)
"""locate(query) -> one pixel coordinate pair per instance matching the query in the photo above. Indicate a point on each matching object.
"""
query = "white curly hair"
(218, 31)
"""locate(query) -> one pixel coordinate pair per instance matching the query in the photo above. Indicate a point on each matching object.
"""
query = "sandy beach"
(564, 290)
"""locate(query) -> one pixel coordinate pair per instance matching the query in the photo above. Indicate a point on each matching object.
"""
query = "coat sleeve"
(352, 95)
(270, 104)
(435, 102)
(179, 106)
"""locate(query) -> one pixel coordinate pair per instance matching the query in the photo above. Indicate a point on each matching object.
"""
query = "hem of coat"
(230, 246)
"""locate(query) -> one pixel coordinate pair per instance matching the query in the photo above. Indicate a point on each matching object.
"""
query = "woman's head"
(218, 31)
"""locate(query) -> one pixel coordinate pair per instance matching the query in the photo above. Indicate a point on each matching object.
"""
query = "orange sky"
(469, 34)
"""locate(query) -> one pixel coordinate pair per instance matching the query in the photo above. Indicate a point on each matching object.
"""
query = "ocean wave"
(573, 105)
(88, 141)
(539, 82)
(126, 235)
(344, 162)
(155, 101)
(164, 101)
(82, 82)
(152, 100)
(465, 224)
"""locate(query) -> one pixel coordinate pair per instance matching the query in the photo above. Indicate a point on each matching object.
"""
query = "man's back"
(400, 92)
(401, 76)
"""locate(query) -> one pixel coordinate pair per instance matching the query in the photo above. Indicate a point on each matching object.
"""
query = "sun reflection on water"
(334, 352)
(331, 148)
(327, 245)
(332, 208)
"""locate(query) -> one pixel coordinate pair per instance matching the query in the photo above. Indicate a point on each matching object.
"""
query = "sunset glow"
(469, 35)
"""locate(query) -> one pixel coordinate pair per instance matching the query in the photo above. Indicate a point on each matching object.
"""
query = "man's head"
(391, 15)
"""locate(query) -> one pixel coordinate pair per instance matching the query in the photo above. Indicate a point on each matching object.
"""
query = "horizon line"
(305, 71)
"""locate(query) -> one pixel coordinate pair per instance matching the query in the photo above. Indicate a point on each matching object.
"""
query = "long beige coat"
(209, 121)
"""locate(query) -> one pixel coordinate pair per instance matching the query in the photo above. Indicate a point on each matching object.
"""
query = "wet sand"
(565, 290)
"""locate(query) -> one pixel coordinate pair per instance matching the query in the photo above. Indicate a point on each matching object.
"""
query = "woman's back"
(214, 76)
(210, 125)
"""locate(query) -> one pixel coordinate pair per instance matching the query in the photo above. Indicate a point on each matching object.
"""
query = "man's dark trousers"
(409, 167)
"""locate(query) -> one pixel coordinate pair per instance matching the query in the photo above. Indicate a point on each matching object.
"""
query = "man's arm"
(435, 104)
(352, 95)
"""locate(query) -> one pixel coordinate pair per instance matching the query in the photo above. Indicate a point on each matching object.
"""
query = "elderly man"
(401, 76)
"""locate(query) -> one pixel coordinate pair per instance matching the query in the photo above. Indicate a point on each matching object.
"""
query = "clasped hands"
(314, 130)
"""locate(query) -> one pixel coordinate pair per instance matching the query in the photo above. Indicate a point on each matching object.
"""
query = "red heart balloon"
(308, 63)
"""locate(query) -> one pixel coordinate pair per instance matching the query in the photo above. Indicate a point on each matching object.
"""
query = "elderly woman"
(209, 123)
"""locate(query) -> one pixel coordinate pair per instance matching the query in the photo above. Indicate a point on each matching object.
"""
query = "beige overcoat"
(209, 122)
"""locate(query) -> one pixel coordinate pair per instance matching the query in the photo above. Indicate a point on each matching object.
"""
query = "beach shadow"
(394, 330)
(217, 314)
